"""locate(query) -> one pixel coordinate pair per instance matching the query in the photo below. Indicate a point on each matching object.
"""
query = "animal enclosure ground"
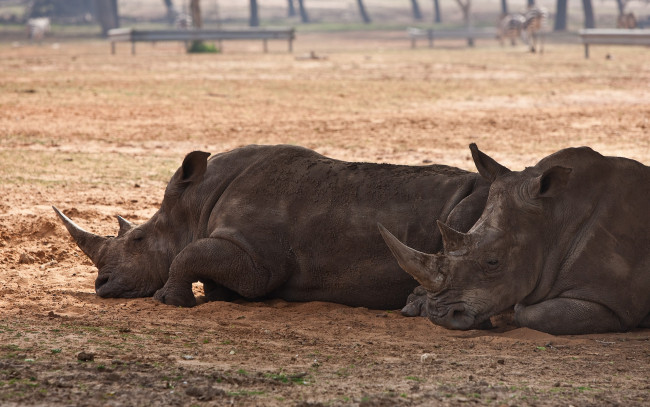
(100, 135)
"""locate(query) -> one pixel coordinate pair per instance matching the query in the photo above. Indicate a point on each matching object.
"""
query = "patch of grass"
(300, 378)
(245, 393)
(201, 47)
(414, 378)
(344, 371)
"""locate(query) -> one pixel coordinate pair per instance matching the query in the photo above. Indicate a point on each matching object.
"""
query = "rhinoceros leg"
(219, 263)
(567, 316)
(461, 218)
(646, 322)
(217, 292)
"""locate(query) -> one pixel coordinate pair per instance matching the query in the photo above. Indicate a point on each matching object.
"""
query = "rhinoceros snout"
(460, 317)
(100, 281)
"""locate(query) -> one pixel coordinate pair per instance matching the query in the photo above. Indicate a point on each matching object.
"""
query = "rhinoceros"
(282, 222)
(566, 242)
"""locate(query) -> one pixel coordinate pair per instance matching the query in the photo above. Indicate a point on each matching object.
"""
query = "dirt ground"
(100, 135)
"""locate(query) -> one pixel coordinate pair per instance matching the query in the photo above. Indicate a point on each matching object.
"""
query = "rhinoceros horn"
(125, 225)
(89, 243)
(425, 268)
(452, 240)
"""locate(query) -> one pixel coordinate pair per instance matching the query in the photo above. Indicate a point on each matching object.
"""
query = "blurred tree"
(291, 12)
(531, 3)
(68, 11)
(362, 10)
(621, 6)
(417, 15)
(304, 17)
(560, 15)
(107, 14)
(504, 7)
(255, 19)
(590, 21)
(465, 8)
(195, 12)
(171, 12)
(436, 12)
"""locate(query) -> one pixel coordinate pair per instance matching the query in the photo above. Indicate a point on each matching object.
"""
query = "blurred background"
(93, 18)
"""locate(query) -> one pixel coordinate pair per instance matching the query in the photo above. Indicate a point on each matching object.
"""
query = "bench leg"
(586, 51)
(266, 48)
(290, 45)
(132, 47)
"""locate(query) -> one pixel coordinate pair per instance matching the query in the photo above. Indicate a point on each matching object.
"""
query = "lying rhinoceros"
(567, 241)
(282, 222)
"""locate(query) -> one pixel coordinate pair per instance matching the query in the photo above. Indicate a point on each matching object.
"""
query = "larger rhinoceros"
(567, 241)
(282, 222)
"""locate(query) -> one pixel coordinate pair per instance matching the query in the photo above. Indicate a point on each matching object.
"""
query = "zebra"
(534, 27)
(510, 26)
(37, 27)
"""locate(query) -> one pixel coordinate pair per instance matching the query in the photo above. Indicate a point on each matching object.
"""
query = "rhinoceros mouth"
(107, 286)
(459, 315)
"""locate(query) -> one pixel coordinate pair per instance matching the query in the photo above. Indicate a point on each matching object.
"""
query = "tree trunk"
(195, 12)
(291, 11)
(417, 15)
(171, 13)
(465, 8)
(107, 14)
(531, 3)
(504, 7)
(436, 12)
(590, 22)
(362, 10)
(560, 15)
(304, 17)
(255, 19)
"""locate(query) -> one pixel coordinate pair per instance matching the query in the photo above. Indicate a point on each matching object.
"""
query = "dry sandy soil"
(100, 135)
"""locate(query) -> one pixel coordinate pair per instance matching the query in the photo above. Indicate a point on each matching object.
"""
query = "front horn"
(88, 243)
(425, 268)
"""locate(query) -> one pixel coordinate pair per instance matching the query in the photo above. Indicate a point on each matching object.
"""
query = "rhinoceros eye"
(492, 264)
(137, 235)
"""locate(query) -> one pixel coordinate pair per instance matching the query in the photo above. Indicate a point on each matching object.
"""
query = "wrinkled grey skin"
(282, 222)
(565, 241)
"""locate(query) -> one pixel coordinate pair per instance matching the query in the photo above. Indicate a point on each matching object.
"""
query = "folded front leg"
(567, 316)
(217, 262)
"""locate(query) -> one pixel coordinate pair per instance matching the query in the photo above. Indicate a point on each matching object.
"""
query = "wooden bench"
(431, 34)
(614, 36)
(135, 35)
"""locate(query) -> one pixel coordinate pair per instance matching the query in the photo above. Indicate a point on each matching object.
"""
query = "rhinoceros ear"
(551, 182)
(194, 166)
(486, 166)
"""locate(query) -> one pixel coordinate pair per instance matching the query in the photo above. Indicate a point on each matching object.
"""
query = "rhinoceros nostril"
(100, 281)
(458, 312)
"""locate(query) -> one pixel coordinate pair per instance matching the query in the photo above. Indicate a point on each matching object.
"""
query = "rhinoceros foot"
(180, 298)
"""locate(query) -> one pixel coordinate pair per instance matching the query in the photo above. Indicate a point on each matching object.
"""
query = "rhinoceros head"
(136, 262)
(497, 263)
